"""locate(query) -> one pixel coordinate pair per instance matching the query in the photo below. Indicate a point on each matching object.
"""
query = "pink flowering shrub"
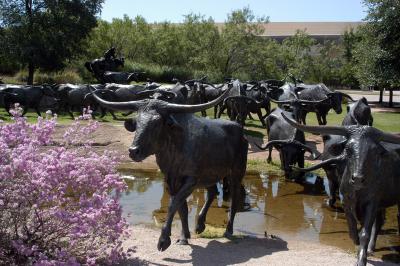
(58, 204)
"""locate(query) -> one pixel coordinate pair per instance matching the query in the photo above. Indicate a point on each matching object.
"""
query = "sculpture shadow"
(253, 133)
(233, 252)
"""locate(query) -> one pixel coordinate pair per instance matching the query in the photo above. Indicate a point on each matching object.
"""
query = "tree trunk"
(31, 71)
(391, 97)
(380, 94)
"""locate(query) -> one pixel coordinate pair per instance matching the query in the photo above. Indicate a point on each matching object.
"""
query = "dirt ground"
(115, 137)
(221, 251)
(243, 251)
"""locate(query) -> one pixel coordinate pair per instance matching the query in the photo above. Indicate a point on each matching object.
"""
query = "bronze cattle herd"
(360, 161)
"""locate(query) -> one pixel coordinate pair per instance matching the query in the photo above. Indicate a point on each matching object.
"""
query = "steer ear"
(337, 148)
(130, 124)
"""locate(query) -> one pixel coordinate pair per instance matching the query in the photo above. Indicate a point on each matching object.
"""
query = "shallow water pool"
(272, 205)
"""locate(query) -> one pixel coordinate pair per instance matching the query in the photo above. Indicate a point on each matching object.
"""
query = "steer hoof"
(182, 242)
(331, 203)
(200, 228)
(228, 235)
(163, 243)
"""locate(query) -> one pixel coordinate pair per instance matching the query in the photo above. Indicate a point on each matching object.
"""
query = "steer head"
(291, 152)
(363, 155)
(155, 123)
(336, 99)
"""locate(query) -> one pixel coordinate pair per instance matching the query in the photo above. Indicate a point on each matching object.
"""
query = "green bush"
(159, 73)
(22, 76)
(65, 76)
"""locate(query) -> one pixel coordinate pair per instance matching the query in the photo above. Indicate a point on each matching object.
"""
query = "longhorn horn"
(330, 161)
(286, 101)
(323, 130)
(387, 137)
(181, 108)
(280, 102)
(313, 102)
(131, 106)
(270, 143)
(346, 95)
(242, 97)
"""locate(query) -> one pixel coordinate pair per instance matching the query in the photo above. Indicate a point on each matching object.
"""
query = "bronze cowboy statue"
(107, 63)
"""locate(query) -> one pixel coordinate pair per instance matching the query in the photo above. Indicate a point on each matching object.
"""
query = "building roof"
(277, 29)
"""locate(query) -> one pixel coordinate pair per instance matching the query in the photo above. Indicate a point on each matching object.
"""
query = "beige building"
(319, 30)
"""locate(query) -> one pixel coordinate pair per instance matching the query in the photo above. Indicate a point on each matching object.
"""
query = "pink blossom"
(58, 206)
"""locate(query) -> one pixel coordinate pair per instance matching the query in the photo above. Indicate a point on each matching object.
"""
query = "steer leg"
(352, 224)
(235, 198)
(183, 214)
(24, 110)
(259, 114)
(333, 185)
(215, 111)
(211, 192)
(323, 116)
(319, 119)
(221, 110)
(398, 218)
(365, 234)
(269, 159)
(37, 111)
(376, 228)
(113, 114)
(186, 189)
(7, 106)
(70, 112)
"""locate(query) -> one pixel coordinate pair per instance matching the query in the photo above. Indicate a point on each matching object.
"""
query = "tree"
(240, 31)
(296, 53)
(384, 25)
(43, 33)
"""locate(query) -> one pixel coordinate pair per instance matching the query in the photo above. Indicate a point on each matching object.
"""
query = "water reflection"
(287, 209)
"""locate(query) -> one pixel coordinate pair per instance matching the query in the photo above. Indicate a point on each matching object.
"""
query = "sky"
(276, 10)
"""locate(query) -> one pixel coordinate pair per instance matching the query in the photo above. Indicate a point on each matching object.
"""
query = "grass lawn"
(389, 122)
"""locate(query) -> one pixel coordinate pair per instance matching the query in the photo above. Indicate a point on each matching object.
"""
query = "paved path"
(373, 96)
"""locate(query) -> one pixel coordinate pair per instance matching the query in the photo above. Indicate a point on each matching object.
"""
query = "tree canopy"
(44, 33)
(378, 51)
